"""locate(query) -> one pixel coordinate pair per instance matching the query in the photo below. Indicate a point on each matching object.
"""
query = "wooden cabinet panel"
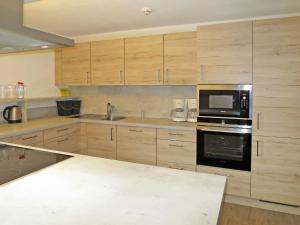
(65, 143)
(277, 122)
(101, 140)
(107, 62)
(144, 60)
(176, 135)
(176, 152)
(238, 182)
(76, 62)
(136, 144)
(276, 51)
(275, 172)
(225, 53)
(180, 58)
(30, 139)
(60, 131)
(58, 66)
(178, 166)
(83, 149)
(8, 139)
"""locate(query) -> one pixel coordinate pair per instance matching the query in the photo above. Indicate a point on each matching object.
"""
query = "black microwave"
(225, 101)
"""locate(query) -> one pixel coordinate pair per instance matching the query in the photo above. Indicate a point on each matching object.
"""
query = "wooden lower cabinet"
(238, 182)
(275, 175)
(35, 139)
(65, 143)
(136, 144)
(101, 140)
(8, 139)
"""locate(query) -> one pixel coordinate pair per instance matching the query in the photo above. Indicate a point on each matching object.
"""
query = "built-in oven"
(225, 147)
(224, 102)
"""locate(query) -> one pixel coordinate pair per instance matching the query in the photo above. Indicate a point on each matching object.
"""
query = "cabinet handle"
(61, 130)
(158, 75)
(176, 134)
(133, 130)
(120, 75)
(111, 134)
(27, 138)
(259, 152)
(177, 146)
(258, 121)
(226, 175)
(201, 72)
(167, 75)
(66, 139)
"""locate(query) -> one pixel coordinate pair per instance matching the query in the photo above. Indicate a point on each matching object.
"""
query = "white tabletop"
(85, 190)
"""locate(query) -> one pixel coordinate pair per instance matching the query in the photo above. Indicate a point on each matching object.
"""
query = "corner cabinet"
(180, 58)
(225, 53)
(76, 63)
(144, 60)
(107, 62)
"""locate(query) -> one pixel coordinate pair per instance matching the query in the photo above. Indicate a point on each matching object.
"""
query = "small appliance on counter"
(68, 107)
(192, 110)
(13, 114)
(179, 110)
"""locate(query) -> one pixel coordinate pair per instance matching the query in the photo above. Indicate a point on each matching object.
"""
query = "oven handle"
(225, 130)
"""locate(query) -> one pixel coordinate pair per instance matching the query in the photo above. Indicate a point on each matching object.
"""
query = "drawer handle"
(176, 134)
(177, 146)
(66, 139)
(133, 130)
(28, 138)
(226, 175)
(61, 130)
(174, 167)
(111, 134)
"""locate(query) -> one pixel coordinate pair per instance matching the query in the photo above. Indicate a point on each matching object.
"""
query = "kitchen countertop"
(87, 190)
(7, 130)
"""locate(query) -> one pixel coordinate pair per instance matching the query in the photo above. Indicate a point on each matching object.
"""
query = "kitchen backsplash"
(154, 101)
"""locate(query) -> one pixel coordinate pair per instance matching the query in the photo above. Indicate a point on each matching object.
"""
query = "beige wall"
(35, 69)
(155, 101)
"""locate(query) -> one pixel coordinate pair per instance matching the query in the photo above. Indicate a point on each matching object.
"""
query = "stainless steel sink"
(98, 117)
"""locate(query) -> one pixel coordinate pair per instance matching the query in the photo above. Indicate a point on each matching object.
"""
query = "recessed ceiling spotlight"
(44, 46)
(147, 11)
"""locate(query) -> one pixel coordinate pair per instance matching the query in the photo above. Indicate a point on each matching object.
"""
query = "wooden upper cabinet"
(144, 60)
(225, 53)
(58, 66)
(107, 62)
(76, 62)
(275, 174)
(180, 58)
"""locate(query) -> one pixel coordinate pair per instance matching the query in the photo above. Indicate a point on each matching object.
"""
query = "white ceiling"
(81, 17)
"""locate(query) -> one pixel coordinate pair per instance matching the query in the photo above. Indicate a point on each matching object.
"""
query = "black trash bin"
(68, 107)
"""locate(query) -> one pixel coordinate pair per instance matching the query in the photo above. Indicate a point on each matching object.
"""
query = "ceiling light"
(147, 11)
(44, 46)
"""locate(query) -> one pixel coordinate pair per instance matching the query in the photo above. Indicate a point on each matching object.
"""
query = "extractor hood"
(15, 37)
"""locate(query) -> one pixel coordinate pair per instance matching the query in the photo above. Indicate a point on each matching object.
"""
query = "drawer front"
(8, 139)
(137, 152)
(102, 148)
(176, 152)
(60, 131)
(178, 166)
(66, 143)
(83, 128)
(178, 135)
(137, 134)
(238, 182)
(29, 139)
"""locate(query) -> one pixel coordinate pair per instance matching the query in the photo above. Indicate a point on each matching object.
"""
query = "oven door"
(224, 147)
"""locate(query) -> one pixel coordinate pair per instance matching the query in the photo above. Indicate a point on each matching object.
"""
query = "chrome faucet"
(109, 111)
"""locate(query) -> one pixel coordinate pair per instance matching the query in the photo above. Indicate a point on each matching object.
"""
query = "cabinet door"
(101, 140)
(180, 58)
(76, 64)
(66, 143)
(225, 53)
(107, 62)
(34, 139)
(58, 66)
(276, 170)
(136, 144)
(144, 60)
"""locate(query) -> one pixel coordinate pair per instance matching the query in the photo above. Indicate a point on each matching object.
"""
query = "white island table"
(85, 190)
